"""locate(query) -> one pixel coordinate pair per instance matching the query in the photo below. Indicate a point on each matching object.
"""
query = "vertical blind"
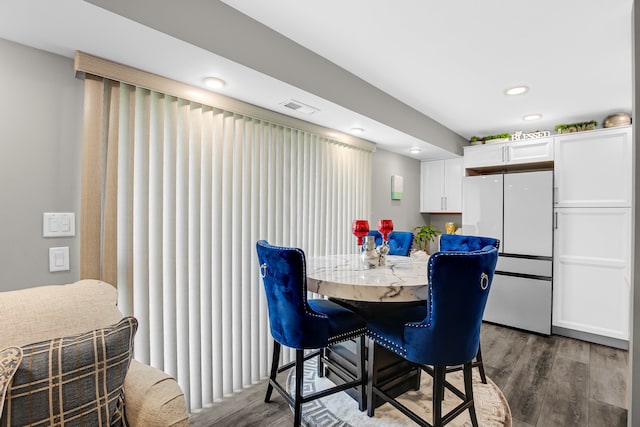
(181, 193)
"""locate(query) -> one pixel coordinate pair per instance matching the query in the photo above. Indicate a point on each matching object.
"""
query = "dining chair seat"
(303, 324)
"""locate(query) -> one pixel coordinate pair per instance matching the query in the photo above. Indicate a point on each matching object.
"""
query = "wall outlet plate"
(59, 259)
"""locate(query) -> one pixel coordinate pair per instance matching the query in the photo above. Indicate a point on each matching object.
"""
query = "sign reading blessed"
(520, 136)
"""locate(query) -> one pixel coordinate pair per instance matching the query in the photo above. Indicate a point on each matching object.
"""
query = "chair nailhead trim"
(332, 340)
(388, 344)
(347, 336)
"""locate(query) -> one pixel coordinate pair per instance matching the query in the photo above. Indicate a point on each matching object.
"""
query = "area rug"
(340, 410)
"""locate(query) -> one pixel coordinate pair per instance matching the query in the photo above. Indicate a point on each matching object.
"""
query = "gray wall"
(405, 213)
(40, 141)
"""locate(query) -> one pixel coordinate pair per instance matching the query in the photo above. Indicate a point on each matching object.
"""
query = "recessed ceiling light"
(532, 117)
(356, 131)
(214, 82)
(415, 150)
(518, 90)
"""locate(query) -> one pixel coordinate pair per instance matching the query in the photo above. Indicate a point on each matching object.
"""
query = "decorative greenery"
(576, 127)
(425, 234)
(490, 137)
(498, 136)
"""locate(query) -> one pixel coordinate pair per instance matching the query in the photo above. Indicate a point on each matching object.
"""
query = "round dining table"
(401, 279)
(370, 291)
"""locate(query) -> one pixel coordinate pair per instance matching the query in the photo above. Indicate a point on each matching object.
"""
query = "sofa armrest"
(152, 398)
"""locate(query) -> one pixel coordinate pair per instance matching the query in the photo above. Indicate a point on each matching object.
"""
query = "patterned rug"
(340, 410)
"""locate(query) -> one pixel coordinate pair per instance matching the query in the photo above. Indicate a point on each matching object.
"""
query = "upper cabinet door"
(453, 173)
(432, 197)
(531, 151)
(482, 156)
(593, 169)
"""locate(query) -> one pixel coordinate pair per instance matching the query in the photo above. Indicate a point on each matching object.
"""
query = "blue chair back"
(399, 241)
(459, 285)
(293, 323)
(460, 243)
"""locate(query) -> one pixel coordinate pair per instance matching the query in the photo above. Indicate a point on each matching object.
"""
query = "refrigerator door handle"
(555, 221)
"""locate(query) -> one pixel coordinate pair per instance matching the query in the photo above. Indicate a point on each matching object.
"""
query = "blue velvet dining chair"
(462, 243)
(304, 324)
(443, 332)
(399, 241)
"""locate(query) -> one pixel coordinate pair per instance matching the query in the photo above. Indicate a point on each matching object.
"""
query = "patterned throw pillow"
(72, 381)
(10, 358)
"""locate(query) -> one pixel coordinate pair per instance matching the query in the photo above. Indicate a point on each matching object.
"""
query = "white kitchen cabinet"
(593, 169)
(509, 153)
(486, 155)
(591, 267)
(592, 234)
(441, 186)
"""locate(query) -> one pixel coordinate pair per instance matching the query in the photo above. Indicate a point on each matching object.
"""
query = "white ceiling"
(450, 60)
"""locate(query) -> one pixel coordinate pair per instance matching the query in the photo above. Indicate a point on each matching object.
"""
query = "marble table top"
(402, 279)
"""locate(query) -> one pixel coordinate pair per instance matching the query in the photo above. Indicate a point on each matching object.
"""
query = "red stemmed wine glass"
(360, 228)
(385, 226)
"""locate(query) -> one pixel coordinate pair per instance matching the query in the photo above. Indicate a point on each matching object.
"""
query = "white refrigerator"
(516, 208)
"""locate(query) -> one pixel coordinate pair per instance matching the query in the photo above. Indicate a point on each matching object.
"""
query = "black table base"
(390, 372)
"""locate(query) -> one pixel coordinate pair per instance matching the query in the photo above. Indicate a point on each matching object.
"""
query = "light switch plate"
(60, 224)
(59, 259)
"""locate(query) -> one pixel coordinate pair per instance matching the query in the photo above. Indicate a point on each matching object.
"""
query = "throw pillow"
(72, 381)
(10, 358)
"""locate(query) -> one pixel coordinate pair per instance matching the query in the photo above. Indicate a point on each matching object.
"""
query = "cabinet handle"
(445, 203)
(555, 195)
(441, 203)
(555, 220)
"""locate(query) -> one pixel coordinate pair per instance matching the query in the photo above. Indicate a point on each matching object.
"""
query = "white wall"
(633, 417)
(40, 165)
(405, 213)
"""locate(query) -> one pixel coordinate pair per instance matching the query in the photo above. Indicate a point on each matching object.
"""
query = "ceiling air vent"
(299, 107)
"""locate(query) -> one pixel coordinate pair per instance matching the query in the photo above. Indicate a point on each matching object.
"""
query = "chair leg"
(297, 403)
(371, 374)
(274, 369)
(480, 365)
(468, 391)
(321, 357)
(438, 394)
(362, 373)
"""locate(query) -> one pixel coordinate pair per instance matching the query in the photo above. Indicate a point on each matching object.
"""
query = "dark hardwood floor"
(548, 382)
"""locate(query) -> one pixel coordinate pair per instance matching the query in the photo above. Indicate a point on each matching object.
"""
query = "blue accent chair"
(442, 333)
(304, 324)
(461, 243)
(399, 241)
